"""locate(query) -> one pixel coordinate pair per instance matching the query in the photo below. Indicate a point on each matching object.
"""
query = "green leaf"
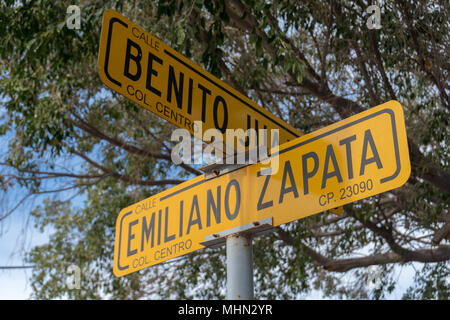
(181, 35)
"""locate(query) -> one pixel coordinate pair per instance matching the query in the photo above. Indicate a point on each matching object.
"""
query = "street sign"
(350, 160)
(145, 70)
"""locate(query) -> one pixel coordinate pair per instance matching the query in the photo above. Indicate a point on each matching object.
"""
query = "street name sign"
(350, 160)
(145, 70)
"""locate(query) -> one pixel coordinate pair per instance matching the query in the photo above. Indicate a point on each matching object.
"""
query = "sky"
(15, 237)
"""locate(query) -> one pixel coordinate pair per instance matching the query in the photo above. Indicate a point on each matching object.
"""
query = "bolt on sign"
(350, 160)
(145, 70)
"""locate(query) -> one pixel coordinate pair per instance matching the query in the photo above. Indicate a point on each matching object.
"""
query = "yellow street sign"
(355, 158)
(145, 70)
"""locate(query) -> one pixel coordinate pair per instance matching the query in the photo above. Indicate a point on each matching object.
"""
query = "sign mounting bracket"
(250, 230)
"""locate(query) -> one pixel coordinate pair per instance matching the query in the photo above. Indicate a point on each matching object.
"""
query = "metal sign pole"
(239, 259)
(238, 241)
(239, 267)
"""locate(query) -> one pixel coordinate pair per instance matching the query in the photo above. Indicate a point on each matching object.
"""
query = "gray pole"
(238, 241)
(239, 267)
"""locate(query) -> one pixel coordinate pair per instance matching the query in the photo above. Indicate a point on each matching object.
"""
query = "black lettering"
(137, 59)
(205, 92)
(309, 174)
(247, 138)
(132, 31)
(138, 94)
(131, 236)
(174, 115)
(181, 219)
(152, 72)
(260, 204)
(167, 111)
(336, 172)
(191, 86)
(166, 226)
(128, 89)
(348, 150)
(214, 205)
(221, 100)
(146, 102)
(197, 220)
(188, 244)
(187, 123)
(293, 188)
(233, 215)
(159, 107)
(159, 226)
(178, 89)
(257, 130)
(368, 140)
(146, 229)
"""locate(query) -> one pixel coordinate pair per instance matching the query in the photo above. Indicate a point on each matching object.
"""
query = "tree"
(311, 63)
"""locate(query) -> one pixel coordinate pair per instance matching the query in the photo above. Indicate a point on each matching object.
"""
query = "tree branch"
(85, 126)
(343, 106)
(379, 64)
(442, 233)
(422, 54)
(369, 86)
(343, 265)
(124, 177)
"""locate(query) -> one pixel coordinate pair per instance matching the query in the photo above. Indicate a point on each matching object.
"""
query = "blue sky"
(15, 238)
